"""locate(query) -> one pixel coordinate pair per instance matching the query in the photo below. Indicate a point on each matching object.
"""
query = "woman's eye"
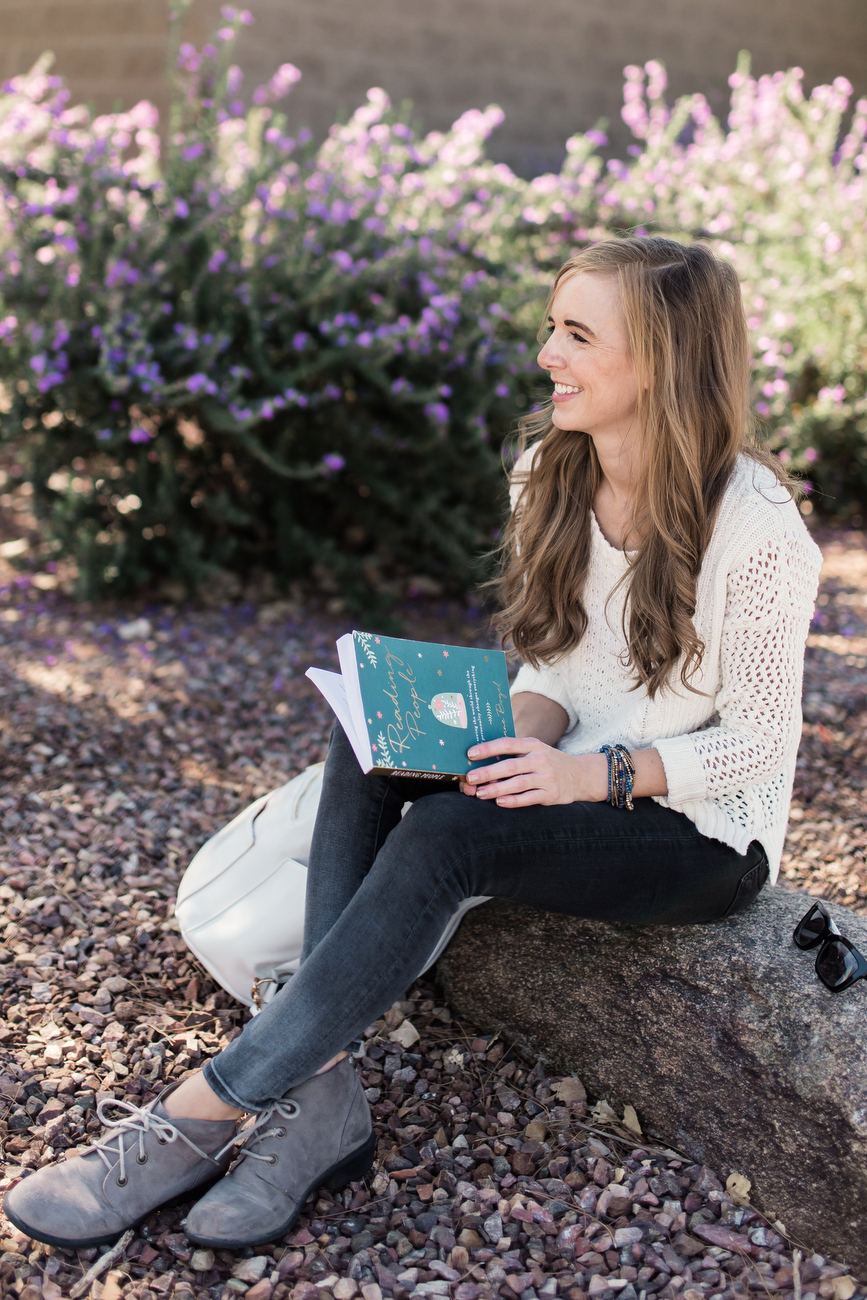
(579, 338)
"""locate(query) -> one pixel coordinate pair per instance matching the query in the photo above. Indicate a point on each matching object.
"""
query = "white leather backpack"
(240, 904)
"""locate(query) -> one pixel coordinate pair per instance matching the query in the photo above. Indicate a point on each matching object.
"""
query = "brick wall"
(553, 65)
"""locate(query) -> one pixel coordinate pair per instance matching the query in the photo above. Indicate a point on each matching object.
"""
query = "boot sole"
(107, 1239)
(345, 1171)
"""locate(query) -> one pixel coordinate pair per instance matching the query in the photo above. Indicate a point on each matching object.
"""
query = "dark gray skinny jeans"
(381, 890)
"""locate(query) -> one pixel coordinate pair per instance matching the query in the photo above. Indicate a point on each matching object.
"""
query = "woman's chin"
(561, 419)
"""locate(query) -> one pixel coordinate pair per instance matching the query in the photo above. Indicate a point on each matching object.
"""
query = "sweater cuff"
(684, 771)
(547, 682)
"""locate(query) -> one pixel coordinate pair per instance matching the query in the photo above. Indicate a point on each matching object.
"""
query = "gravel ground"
(128, 737)
(827, 841)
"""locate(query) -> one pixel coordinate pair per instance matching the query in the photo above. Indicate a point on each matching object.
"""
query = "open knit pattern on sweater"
(729, 754)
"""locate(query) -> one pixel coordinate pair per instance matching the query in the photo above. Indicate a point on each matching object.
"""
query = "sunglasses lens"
(836, 964)
(810, 928)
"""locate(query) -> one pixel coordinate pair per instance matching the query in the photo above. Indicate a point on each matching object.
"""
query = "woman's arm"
(536, 715)
(769, 603)
(537, 773)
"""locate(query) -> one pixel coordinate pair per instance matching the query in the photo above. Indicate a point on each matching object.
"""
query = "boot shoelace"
(138, 1120)
(258, 1130)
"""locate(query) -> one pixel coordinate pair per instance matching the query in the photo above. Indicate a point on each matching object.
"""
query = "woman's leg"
(646, 867)
(356, 814)
(585, 859)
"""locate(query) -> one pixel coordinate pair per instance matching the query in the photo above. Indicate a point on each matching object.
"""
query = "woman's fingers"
(529, 772)
(502, 745)
(517, 785)
(525, 762)
(524, 800)
(496, 772)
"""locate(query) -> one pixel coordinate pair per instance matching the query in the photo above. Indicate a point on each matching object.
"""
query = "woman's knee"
(438, 817)
(433, 838)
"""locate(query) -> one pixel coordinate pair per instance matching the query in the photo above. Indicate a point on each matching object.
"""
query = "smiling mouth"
(566, 390)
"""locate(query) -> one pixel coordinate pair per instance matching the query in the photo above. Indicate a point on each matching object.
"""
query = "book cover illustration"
(425, 704)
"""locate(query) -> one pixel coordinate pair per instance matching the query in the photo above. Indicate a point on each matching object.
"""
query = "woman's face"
(587, 355)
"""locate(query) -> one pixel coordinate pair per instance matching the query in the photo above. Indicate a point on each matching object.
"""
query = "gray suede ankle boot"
(320, 1134)
(145, 1160)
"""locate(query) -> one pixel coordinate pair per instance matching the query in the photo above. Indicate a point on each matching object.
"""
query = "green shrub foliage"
(246, 354)
(258, 357)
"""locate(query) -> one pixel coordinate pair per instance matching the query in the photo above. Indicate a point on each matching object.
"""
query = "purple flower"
(811, 454)
(103, 434)
(502, 390)
(217, 260)
(333, 462)
(120, 272)
(139, 435)
(280, 84)
(182, 209)
(438, 412)
(188, 58)
(201, 383)
(283, 80)
(192, 151)
(300, 340)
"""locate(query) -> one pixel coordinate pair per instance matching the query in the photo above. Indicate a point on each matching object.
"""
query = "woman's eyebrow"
(576, 324)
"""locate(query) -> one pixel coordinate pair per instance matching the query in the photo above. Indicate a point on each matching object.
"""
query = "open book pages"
(415, 707)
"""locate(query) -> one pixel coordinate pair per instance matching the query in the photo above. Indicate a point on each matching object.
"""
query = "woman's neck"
(614, 502)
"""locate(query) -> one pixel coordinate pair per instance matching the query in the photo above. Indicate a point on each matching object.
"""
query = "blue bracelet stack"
(621, 776)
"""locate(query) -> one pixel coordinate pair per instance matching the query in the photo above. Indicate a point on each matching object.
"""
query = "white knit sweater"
(729, 754)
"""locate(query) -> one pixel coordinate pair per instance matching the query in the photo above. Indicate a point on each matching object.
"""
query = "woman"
(659, 586)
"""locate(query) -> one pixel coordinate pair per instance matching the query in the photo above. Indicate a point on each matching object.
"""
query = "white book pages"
(333, 687)
(346, 653)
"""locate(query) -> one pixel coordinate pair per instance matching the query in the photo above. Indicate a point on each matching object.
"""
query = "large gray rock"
(720, 1035)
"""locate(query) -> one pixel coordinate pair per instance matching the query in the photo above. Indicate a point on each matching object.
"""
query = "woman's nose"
(549, 358)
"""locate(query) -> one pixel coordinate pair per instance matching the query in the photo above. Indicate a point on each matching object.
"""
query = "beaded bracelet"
(621, 776)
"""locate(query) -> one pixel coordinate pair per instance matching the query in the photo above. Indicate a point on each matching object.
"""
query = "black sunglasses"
(839, 963)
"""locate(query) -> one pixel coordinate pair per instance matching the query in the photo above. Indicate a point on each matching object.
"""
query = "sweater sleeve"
(769, 604)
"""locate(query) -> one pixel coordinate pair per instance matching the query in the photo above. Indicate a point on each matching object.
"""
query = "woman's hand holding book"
(531, 772)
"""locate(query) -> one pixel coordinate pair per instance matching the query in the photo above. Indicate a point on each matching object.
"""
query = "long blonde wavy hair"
(688, 337)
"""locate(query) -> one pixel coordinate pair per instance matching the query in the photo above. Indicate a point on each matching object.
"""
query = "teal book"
(414, 708)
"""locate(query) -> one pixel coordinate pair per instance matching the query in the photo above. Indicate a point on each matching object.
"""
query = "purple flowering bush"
(782, 193)
(248, 355)
(242, 353)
